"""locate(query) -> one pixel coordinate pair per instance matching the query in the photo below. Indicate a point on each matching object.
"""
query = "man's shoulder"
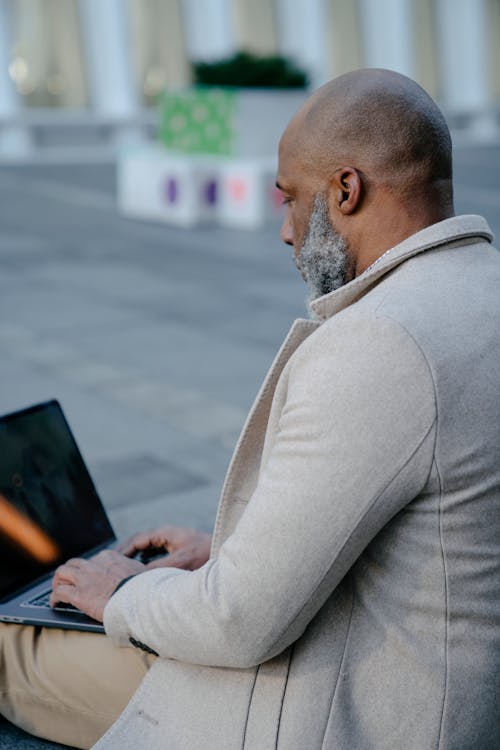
(439, 290)
(440, 302)
(355, 338)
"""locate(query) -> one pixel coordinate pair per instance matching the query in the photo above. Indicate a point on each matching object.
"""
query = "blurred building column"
(387, 35)
(15, 139)
(108, 56)
(463, 44)
(254, 24)
(208, 29)
(302, 30)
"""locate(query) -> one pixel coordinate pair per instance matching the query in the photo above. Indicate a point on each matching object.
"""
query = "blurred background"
(130, 285)
(89, 72)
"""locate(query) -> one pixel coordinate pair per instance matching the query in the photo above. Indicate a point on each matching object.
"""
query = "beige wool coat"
(351, 601)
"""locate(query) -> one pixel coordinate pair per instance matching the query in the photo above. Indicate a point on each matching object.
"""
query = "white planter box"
(153, 184)
(186, 186)
(184, 190)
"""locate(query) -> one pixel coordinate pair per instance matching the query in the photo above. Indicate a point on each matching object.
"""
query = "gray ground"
(154, 339)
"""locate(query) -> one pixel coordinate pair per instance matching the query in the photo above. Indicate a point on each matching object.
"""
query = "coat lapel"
(458, 229)
(242, 474)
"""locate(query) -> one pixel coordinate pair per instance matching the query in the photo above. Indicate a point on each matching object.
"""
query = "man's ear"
(345, 190)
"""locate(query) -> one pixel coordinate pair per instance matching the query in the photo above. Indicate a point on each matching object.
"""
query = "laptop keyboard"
(43, 600)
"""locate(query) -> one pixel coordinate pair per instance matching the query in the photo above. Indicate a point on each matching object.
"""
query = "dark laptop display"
(49, 507)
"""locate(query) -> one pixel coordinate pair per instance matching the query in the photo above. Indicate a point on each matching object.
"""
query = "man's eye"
(286, 200)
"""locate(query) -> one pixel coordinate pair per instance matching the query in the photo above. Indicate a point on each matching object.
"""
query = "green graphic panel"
(199, 120)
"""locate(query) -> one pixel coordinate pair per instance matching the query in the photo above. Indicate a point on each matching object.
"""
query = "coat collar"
(458, 228)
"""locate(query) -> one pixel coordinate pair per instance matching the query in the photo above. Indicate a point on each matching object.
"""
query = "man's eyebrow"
(278, 185)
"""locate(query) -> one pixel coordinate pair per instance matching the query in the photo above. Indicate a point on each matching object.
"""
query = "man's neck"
(391, 228)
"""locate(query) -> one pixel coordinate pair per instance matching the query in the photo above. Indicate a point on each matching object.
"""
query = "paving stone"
(195, 509)
(123, 480)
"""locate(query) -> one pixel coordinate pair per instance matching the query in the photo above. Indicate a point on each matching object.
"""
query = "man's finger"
(63, 593)
(65, 573)
(135, 543)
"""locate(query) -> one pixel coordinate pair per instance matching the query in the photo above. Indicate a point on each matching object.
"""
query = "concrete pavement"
(154, 339)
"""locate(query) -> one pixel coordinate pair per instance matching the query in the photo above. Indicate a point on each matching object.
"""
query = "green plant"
(246, 70)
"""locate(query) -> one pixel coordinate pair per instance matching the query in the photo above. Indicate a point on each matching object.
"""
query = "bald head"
(380, 122)
(370, 155)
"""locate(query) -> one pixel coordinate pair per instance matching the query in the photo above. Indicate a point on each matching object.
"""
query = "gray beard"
(323, 259)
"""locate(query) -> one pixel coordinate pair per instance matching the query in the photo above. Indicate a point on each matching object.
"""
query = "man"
(351, 596)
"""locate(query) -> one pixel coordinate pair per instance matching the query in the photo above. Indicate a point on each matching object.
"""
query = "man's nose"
(286, 232)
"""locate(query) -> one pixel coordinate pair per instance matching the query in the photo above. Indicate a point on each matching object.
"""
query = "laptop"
(49, 512)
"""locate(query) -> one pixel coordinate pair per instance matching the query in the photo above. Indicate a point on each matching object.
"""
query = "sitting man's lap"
(64, 685)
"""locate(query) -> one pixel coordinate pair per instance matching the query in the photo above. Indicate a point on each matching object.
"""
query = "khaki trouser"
(64, 685)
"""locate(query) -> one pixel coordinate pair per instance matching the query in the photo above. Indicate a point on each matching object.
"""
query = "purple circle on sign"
(211, 192)
(171, 190)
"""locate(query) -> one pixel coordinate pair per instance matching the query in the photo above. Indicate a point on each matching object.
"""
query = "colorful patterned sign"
(199, 120)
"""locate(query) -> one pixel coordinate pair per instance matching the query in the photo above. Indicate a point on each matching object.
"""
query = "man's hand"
(188, 549)
(89, 584)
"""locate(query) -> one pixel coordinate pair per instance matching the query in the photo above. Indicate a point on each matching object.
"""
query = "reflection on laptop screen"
(49, 508)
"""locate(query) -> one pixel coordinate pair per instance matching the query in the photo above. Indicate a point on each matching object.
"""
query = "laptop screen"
(49, 508)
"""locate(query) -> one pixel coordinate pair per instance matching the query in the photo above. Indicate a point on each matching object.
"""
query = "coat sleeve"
(354, 445)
